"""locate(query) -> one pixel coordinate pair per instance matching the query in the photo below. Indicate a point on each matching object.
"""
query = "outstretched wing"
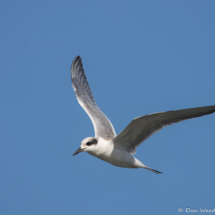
(102, 125)
(143, 127)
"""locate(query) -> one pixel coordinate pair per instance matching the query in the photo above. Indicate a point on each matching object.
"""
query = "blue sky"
(140, 57)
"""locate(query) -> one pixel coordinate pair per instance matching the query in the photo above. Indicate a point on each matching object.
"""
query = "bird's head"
(88, 145)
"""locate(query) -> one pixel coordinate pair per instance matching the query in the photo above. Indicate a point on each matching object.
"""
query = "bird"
(118, 149)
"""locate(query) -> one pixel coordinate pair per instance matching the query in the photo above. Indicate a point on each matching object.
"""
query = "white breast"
(108, 152)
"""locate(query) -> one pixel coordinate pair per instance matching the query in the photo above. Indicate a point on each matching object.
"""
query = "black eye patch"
(92, 142)
(89, 143)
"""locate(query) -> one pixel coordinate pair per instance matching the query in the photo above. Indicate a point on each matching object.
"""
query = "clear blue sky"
(140, 57)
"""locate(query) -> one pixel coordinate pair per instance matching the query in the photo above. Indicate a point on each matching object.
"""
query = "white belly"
(118, 157)
(108, 152)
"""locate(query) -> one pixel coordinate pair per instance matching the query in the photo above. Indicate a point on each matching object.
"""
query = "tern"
(118, 150)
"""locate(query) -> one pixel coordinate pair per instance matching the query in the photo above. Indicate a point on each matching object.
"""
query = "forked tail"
(153, 170)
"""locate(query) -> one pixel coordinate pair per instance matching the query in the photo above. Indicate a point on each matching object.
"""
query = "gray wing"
(143, 127)
(102, 125)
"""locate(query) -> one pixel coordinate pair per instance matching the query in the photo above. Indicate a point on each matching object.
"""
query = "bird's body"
(107, 151)
(118, 150)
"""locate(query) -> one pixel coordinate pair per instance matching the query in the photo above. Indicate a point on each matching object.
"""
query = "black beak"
(78, 151)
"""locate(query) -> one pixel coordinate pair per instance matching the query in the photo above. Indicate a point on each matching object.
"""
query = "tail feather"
(153, 170)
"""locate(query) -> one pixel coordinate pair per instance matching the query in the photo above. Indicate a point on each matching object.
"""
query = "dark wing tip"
(77, 59)
(79, 81)
(76, 62)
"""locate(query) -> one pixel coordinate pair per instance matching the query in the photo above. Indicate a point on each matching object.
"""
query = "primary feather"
(143, 127)
(102, 125)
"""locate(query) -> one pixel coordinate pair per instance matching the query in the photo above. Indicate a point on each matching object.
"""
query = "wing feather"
(102, 125)
(143, 127)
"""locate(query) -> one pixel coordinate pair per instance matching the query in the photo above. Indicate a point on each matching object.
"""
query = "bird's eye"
(89, 143)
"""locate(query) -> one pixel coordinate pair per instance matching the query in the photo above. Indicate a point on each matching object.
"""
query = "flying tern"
(118, 150)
